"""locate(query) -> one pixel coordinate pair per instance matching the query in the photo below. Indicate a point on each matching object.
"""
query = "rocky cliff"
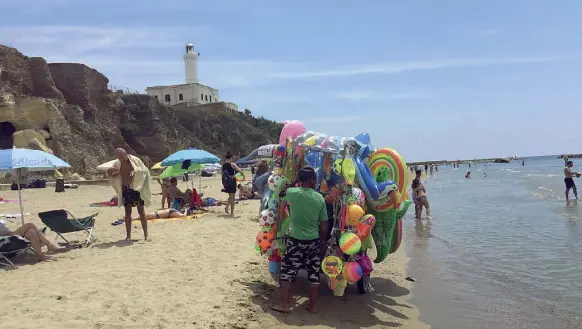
(82, 121)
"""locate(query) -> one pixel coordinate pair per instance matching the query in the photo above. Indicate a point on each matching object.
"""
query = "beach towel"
(111, 203)
(104, 204)
(141, 180)
(8, 201)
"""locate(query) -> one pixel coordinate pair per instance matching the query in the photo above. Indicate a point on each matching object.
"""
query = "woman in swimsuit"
(229, 169)
(164, 213)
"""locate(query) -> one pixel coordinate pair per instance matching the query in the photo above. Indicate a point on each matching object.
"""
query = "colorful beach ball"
(359, 196)
(337, 166)
(274, 182)
(267, 217)
(368, 219)
(355, 212)
(350, 244)
(265, 240)
(352, 272)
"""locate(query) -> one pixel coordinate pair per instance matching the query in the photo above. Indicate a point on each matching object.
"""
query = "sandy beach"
(198, 273)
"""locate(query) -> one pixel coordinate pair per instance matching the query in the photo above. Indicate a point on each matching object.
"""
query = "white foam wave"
(543, 175)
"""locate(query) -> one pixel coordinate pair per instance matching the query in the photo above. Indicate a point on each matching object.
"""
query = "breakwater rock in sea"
(73, 113)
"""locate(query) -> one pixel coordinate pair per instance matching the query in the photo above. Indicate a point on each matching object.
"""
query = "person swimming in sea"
(484, 174)
(468, 174)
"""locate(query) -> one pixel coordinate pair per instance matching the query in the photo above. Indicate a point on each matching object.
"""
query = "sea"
(501, 251)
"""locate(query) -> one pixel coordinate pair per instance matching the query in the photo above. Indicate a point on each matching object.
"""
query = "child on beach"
(165, 184)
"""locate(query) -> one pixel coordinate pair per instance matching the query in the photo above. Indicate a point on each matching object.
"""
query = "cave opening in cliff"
(6, 131)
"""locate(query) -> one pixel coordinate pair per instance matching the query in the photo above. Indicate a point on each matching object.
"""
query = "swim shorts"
(569, 182)
(131, 198)
(299, 255)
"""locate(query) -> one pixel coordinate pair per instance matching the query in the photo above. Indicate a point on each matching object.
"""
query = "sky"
(447, 79)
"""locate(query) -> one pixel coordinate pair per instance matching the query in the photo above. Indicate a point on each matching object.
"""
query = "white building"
(192, 91)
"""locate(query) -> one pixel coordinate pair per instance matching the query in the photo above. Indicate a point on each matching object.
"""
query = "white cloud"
(76, 40)
(361, 95)
(408, 66)
(112, 50)
(335, 119)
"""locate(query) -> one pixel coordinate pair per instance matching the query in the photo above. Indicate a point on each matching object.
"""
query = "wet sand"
(199, 273)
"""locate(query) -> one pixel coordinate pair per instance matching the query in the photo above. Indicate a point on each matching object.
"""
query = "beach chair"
(12, 246)
(61, 222)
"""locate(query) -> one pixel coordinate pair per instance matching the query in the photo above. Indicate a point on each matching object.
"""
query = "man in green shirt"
(307, 239)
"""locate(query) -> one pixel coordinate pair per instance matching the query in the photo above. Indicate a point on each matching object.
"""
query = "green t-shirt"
(307, 209)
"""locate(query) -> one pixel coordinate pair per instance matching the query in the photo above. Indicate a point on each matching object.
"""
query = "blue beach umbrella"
(192, 155)
(33, 160)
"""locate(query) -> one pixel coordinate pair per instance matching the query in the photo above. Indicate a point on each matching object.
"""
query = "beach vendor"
(131, 180)
(307, 239)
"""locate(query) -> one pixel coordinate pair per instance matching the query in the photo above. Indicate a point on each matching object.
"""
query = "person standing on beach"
(569, 180)
(307, 240)
(229, 169)
(420, 191)
(132, 183)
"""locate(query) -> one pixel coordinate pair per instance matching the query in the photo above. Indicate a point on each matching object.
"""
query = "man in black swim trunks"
(569, 180)
(131, 197)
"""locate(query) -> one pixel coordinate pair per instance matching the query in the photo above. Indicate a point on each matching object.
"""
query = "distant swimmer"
(484, 174)
(522, 163)
(468, 174)
(569, 180)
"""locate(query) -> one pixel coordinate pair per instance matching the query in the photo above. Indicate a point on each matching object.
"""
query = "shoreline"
(199, 273)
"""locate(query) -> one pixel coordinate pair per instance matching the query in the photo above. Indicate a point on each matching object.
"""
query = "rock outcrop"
(69, 108)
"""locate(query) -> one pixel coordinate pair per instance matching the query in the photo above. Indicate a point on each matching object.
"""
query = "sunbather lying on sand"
(31, 233)
(246, 192)
(164, 213)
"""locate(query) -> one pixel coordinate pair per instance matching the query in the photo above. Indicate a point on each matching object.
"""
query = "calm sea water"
(502, 251)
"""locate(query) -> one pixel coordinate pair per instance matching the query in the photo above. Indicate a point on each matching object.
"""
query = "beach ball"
(337, 166)
(265, 240)
(352, 272)
(355, 212)
(364, 230)
(368, 219)
(359, 196)
(349, 170)
(274, 181)
(267, 217)
(239, 177)
(350, 244)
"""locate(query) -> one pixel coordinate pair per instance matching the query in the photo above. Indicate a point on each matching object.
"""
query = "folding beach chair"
(12, 247)
(61, 222)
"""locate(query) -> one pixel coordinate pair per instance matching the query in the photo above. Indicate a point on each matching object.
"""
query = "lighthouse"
(191, 64)
(191, 93)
